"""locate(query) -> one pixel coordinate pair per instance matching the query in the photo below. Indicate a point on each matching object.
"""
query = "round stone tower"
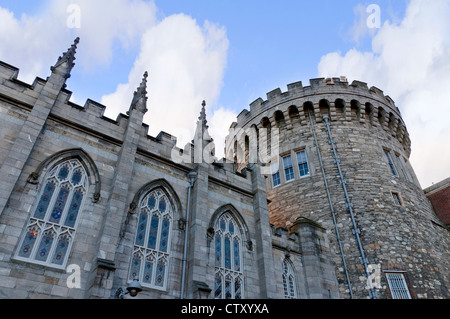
(338, 154)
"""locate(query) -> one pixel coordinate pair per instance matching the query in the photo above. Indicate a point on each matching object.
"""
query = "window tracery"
(51, 228)
(151, 252)
(228, 259)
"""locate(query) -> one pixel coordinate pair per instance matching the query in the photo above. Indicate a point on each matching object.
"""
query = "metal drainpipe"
(192, 176)
(356, 231)
(331, 208)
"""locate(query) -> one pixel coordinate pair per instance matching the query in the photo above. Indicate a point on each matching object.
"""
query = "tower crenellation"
(332, 96)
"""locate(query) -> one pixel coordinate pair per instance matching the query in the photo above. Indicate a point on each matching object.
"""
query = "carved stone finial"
(140, 96)
(202, 117)
(68, 57)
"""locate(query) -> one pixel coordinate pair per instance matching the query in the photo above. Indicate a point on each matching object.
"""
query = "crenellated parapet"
(334, 97)
(88, 117)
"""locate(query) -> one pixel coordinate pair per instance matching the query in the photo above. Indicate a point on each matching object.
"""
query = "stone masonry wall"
(404, 236)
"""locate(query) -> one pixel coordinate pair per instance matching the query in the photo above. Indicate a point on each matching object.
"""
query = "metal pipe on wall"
(356, 231)
(192, 177)
(331, 208)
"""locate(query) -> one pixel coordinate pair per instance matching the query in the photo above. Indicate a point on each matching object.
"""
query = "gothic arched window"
(229, 279)
(51, 228)
(289, 283)
(150, 260)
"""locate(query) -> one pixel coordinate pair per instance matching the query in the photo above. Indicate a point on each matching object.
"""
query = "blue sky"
(272, 43)
(231, 52)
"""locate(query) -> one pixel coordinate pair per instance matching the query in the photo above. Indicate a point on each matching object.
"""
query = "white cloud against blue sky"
(230, 52)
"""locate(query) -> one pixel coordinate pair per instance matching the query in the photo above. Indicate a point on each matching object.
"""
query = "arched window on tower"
(289, 282)
(229, 279)
(151, 254)
(51, 228)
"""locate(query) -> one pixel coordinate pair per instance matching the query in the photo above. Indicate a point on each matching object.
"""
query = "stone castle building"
(316, 200)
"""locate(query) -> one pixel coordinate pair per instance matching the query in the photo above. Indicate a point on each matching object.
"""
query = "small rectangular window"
(302, 163)
(288, 169)
(275, 174)
(397, 285)
(396, 197)
(391, 163)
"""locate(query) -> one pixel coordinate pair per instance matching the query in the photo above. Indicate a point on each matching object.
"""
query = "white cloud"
(410, 61)
(219, 125)
(105, 21)
(186, 64)
(185, 61)
(359, 28)
(23, 43)
(33, 43)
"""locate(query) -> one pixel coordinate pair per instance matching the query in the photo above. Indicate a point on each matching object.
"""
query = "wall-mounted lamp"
(133, 289)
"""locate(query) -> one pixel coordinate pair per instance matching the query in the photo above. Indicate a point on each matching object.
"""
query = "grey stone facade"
(291, 224)
(354, 126)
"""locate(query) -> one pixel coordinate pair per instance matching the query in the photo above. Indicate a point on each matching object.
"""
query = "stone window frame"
(233, 272)
(169, 192)
(156, 254)
(47, 171)
(285, 168)
(399, 197)
(246, 241)
(299, 150)
(289, 273)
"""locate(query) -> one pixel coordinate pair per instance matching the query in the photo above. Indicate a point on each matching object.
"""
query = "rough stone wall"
(364, 123)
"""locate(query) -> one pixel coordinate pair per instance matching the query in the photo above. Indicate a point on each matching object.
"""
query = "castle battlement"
(334, 97)
(319, 86)
(90, 118)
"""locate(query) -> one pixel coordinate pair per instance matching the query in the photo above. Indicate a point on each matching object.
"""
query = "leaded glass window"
(228, 259)
(289, 283)
(51, 228)
(150, 260)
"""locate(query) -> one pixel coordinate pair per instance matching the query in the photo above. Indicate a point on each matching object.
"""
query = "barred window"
(397, 286)
(51, 229)
(150, 259)
(229, 281)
